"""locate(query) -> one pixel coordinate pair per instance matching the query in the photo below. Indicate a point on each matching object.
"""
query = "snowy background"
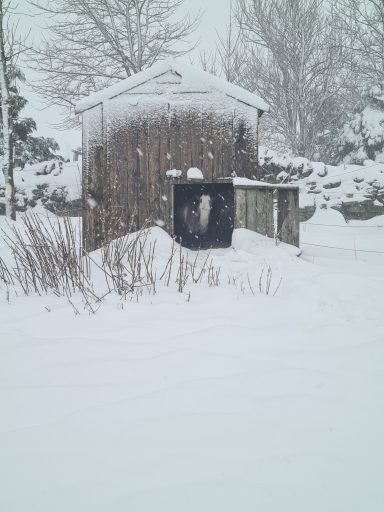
(260, 387)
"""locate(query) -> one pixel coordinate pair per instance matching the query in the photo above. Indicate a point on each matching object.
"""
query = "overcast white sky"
(215, 17)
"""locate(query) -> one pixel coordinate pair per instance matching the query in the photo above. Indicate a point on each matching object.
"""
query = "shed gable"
(173, 75)
(167, 82)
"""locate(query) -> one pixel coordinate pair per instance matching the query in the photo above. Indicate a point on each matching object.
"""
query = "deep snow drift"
(223, 400)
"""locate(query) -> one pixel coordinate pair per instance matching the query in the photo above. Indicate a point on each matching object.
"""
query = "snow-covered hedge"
(357, 191)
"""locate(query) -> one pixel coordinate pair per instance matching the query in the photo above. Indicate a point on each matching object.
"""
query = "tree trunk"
(7, 159)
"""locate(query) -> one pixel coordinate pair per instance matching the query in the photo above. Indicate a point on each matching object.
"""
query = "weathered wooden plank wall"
(264, 212)
(126, 168)
(254, 211)
(288, 222)
(240, 208)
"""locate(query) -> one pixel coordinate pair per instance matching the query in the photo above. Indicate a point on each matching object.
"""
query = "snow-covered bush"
(35, 149)
(363, 137)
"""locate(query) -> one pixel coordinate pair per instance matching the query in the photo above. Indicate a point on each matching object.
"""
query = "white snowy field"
(227, 402)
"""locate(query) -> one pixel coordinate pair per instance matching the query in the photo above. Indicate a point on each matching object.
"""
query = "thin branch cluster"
(91, 44)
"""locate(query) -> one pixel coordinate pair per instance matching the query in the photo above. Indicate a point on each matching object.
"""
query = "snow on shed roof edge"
(188, 72)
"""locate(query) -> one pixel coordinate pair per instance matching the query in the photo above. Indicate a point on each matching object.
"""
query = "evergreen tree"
(36, 149)
(362, 137)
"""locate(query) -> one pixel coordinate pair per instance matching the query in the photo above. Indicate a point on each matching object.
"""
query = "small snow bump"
(173, 173)
(92, 203)
(194, 174)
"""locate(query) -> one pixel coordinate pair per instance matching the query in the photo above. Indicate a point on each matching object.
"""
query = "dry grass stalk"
(48, 257)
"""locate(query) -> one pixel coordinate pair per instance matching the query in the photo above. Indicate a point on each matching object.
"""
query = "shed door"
(204, 215)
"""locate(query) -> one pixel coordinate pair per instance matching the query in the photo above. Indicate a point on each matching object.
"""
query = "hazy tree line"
(318, 63)
(314, 61)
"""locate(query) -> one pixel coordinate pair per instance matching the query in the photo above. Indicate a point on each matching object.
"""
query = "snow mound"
(328, 217)
(254, 243)
(194, 174)
(174, 173)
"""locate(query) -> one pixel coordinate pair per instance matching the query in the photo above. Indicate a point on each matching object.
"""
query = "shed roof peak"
(189, 74)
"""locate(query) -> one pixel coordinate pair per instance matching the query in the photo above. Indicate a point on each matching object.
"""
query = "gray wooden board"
(288, 225)
(240, 208)
(264, 207)
(252, 210)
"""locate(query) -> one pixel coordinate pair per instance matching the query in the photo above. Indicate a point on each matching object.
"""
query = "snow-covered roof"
(192, 78)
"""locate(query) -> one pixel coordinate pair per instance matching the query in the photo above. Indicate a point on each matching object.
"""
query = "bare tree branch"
(294, 60)
(94, 43)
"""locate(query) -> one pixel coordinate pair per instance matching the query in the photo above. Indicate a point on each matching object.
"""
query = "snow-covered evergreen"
(363, 137)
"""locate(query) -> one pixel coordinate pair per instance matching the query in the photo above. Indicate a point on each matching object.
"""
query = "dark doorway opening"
(204, 215)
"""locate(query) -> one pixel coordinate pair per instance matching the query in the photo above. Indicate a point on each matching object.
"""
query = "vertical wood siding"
(288, 222)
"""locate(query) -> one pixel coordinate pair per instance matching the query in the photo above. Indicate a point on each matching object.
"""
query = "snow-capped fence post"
(288, 222)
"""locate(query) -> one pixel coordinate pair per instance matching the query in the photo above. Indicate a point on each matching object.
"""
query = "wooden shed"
(163, 147)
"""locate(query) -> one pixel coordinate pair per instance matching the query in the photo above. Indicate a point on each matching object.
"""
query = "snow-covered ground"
(225, 402)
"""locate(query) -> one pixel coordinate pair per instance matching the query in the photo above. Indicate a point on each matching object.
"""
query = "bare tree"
(208, 62)
(295, 62)
(227, 60)
(362, 22)
(93, 43)
(231, 52)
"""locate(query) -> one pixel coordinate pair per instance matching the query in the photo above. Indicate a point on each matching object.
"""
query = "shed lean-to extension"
(173, 117)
